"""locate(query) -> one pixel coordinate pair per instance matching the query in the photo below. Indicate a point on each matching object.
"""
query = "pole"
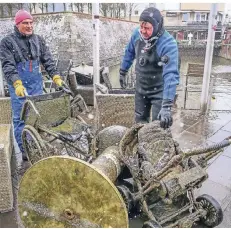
(224, 22)
(96, 62)
(208, 57)
(2, 93)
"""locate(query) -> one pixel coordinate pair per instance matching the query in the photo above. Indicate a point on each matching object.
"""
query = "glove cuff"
(167, 103)
(57, 80)
(55, 77)
(123, 72)
(17, 83)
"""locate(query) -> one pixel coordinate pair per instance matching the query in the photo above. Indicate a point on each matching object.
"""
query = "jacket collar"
(20, 35)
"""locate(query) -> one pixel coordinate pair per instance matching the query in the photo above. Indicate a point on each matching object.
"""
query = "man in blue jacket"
(157, 73)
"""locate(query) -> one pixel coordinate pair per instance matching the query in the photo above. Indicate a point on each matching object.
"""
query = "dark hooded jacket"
(16, 48)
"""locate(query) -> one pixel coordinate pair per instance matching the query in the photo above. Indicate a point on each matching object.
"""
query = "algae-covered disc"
(62, 191)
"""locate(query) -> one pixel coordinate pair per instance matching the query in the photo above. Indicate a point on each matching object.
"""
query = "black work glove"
(165, 114)
(123, 74)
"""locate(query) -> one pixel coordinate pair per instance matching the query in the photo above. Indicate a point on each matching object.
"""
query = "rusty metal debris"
(51, 129)
(165, 178)
(162, 177)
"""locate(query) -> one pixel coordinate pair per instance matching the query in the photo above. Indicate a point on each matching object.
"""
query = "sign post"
(96, 62)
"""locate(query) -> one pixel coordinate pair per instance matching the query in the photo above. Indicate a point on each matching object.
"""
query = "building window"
(217, 35)
(195, 35)
(197, 17)
(136, 12)
(185, 17)
(219, 18)
(203, 17)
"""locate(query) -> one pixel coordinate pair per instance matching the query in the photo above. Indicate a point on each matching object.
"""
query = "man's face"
(146, 29)
(26, 27)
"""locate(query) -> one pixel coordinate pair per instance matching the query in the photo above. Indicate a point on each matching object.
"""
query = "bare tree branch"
(131, 8)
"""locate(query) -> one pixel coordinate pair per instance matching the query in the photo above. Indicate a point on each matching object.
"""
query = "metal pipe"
(109, 163)
(61, 137)
(96, 62)
(206, 149)
(224, 21)
(208, 57)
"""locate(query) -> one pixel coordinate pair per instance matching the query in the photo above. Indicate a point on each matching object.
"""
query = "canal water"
(221, 83)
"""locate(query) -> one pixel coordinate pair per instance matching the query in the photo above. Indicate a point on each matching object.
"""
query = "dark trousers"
(144, 105)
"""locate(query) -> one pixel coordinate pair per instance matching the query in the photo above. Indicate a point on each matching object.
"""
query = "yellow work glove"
(19, 88)
(57, 80)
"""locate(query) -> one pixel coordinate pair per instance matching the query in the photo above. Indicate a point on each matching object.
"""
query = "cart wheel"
(126, 195)
(33, 144)
(214, 212)
(151, 224)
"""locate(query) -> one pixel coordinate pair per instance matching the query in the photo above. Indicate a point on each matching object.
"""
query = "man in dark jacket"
(156, 68)
(21, 54)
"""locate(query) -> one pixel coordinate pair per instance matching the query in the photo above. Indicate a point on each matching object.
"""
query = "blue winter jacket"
(166, 45)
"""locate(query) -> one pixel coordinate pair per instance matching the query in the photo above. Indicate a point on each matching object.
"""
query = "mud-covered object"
(72, 131)
(147, 148)
(109, 136)
(109, 162)
(65, 192)
(156, 145)
(165, 177)
(77, 132)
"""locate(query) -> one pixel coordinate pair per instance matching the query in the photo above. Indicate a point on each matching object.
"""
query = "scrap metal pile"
(82, 179)
(52, 129)
(165, 178)
(60, 191)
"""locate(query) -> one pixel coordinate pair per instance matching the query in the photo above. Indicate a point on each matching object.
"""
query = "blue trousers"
(29, 73)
